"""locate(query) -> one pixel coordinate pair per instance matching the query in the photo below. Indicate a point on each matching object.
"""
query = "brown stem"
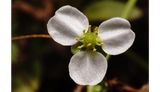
(109, 86)
(31, 36)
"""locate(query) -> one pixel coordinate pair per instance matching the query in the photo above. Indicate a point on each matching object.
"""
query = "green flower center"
(90, 39)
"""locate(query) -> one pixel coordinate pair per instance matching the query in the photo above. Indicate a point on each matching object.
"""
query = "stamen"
(79, 47)
(94, 49)
(89, 39)
(77, 39)
(84, 30)
(89, 26)
(96, 29)
(89, 44)
(101, 44)
(96, 32)
(89, 29)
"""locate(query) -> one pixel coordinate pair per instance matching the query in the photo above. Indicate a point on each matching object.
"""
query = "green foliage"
(14, 52)
(103, 10)
(26, 78)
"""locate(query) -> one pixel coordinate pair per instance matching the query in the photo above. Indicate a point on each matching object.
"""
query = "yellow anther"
(89, 44)
(101, 44)
(96, 32)
(94, 50)
(84, 30)
(96, 29)
(77, 39)
(79, 47)
(89, 26)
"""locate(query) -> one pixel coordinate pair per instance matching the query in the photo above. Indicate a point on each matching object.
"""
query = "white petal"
(66, 25)
(87, 68)
(116, 35)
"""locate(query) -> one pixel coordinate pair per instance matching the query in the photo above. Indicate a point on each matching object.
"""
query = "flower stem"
(107, 57)
(128, 9)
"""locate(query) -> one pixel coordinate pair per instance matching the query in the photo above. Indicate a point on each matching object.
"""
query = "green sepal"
(74, 48)
(99, 49)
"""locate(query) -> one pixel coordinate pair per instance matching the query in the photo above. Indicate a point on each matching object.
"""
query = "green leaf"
(14, 26)
(14, 52)
(103, 10)
(26, 78)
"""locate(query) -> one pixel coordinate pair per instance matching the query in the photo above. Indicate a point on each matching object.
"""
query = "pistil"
(90, 39)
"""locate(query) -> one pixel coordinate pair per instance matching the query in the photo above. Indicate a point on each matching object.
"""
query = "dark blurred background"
(41, 64)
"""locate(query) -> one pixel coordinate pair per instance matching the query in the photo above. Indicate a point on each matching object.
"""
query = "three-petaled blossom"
(89, 67)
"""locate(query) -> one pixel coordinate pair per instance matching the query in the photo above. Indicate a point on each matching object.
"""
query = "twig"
(108, 84)
(79, 88)
(31, 36)
(42, 13)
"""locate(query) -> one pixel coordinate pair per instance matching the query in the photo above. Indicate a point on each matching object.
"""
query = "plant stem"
(31, 36)
(107, 57)
(128, 9)
(90, 88)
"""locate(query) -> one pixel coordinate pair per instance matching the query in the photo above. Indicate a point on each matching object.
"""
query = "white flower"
(89, 67)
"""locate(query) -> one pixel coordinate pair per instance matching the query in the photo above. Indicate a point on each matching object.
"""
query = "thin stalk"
(31, 36)
(107, 57)
(128, 9)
